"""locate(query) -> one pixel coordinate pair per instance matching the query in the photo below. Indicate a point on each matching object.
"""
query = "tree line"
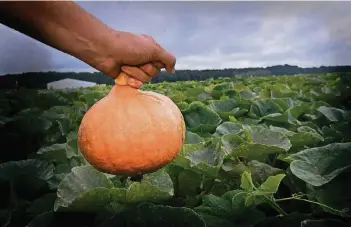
(38, 80)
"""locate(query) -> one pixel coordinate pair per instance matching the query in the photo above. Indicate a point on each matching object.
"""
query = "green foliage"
(259, 151)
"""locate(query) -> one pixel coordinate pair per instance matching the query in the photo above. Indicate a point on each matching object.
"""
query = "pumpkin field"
(258, 152)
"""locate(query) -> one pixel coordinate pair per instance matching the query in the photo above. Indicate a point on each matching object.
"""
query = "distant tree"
(38, 80)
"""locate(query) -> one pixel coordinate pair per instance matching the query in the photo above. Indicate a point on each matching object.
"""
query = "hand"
(140, 56)
(142, 74)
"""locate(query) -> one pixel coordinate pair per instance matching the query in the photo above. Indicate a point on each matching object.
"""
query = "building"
(69, 84)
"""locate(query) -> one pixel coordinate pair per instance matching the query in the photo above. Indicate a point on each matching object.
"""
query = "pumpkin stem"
(122, 79)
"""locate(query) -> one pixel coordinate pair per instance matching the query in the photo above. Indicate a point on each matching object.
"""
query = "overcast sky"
(208, 34)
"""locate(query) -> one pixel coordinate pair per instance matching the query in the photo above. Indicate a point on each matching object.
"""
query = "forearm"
(62, 25)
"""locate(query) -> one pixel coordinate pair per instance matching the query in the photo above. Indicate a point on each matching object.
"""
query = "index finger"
(158, 65)
(167, 59)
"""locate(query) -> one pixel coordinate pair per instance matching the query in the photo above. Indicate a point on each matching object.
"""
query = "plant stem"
(323, 205)
(276, 206)
(284, 199)
(309, 201)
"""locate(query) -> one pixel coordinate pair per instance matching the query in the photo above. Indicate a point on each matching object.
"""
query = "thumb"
(166, 58)
(163, 56)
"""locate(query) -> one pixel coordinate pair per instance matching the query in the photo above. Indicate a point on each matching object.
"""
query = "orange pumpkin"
(130, 131)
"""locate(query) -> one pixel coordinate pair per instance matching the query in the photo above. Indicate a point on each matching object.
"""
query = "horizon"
(163, 70)
(252, 34)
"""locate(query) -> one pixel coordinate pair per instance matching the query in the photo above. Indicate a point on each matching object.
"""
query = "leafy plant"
(262, 151)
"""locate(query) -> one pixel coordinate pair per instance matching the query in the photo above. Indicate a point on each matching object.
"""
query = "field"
(260, 151)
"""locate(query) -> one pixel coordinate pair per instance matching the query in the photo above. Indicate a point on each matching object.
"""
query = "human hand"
(139, 56)
(137, 76)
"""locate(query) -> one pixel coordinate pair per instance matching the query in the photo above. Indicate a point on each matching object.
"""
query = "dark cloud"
(20, 54)
(209, 34)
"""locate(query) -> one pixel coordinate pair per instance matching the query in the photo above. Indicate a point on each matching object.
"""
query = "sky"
(207, 35)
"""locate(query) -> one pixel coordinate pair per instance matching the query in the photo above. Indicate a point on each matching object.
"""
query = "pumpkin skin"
(131, 132)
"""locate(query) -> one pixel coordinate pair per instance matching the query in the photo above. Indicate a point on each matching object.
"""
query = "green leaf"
(336, 195)
(226, 108)
(259, 142)
(86, 189)
(55, 153)
(231, 141)
(223, 105)
(305, 137)
(261, 171)
(188, 183)
(228, 127)
(279, 90)
(237, 198)
(222, 206)
(42, 204)
(271, 185)
(208, 160)
(182, 159)
(270, 138)
(248, 95)
(263, 107)
(28, 177)
(333, 114)
(72, 149)
(228, 210)
(200, 118)
(192, 138)
(246, 182)
(79, 181)
(147, 214)
(290, 115)
(154, 187)
(319, 165)
(46, 219)
(34, 169)
(332, 135)
(100, 199)
(197, 94)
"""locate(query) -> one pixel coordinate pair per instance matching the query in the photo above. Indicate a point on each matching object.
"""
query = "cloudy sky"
(208, 34)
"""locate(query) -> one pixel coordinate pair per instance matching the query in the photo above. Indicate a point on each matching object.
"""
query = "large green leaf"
(192, 138)
(264, 107)
(228, 210)
(256, 143)
(81, 180)
(319, 165)
(226, 108)
(200, 118)
(305, 137)
(334, 114)
(87, 189)
(147, 214)
(208, 160)
(228, 127)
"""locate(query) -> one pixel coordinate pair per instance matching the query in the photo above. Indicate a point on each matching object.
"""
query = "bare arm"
(69, 28)
(61, 25)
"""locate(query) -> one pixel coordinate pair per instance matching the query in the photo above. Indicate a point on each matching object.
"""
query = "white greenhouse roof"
(69, 83)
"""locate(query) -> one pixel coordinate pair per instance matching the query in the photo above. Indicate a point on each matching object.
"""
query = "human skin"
(67, 27)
